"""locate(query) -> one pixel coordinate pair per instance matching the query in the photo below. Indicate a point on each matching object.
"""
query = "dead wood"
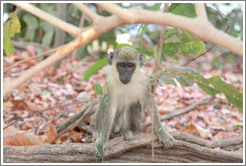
(187, 148)
(86, 111)
(181, 111)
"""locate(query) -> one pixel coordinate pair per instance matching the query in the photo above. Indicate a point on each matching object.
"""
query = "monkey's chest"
(126, 95)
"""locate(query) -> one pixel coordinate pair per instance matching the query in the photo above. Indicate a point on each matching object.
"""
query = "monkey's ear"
(110, 59)
(141, 60)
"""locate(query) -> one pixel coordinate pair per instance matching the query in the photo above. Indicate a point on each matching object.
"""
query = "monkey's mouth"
(125, 81)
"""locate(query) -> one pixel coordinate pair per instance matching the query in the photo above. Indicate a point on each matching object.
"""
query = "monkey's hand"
(165, 138)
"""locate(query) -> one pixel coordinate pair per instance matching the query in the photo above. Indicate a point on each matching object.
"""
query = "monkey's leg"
(126, 130)
(99, 119)
(135, 116)
(163, 136)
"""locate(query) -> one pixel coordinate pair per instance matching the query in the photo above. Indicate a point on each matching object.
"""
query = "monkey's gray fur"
(127, 94)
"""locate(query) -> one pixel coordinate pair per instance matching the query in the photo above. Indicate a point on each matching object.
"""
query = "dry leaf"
(15, 137)
(51, 135)
(194, 127)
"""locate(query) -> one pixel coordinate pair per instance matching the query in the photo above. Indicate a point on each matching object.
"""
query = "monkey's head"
(126, 60)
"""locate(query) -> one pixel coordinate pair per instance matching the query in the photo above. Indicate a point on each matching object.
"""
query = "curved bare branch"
(69, 28)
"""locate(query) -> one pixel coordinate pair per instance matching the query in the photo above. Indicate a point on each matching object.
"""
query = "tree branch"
(102, 25)
(135, 150)
(194, 26)
(200, 11)
(69, 28)
(88, 12)
(125, 15)
(181, 111)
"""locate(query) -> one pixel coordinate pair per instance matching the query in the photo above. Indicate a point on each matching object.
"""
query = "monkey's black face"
(125, 70)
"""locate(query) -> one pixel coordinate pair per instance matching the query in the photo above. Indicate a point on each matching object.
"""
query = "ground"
(213, 120)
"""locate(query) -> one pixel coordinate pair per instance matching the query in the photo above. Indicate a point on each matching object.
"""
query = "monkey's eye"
(130, 65)
(122, 65)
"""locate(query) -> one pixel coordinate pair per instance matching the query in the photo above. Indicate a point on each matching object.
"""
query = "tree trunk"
(187, 148)
(59, 34)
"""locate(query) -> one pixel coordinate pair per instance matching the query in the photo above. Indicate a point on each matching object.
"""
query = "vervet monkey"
(127, 94)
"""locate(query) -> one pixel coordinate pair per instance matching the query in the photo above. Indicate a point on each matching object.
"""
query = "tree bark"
(187, 149)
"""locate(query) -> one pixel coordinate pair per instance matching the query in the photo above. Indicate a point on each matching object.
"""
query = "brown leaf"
(13, 136)
(194, 127)
(51, 135)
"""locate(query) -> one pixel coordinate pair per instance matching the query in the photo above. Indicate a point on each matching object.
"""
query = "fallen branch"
(38, 112)
(135, 150)
(86, 111)
(175, 113)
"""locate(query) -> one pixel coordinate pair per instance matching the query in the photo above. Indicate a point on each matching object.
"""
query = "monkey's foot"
(127, 135)
(166, 139)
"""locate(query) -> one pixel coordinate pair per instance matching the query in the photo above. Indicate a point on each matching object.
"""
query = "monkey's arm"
(163, 136)
(104, 121)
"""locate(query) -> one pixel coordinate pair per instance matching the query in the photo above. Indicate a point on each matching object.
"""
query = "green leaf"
(194, 47)
(216, 63)
(183, 9)
(241, 126)
(171, 49)
(10, 28)
(13, 28)
(95, 68)
(156, 7)
(98, 89)
(175, 73)
(8, 46)
(99, 147)
(123, 45)
(182, 42)
(215, 85)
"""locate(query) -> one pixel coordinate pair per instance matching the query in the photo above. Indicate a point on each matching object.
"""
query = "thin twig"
(178, 112)
(21, 118)
(162, 36)
(34, 57)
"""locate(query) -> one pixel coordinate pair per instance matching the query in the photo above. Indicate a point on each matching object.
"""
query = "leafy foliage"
(10, 28)
(176, 73)
(212, 86)
(216, 63)
(215, 85)
(95, 68)
(178, 41)
(183, 9)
